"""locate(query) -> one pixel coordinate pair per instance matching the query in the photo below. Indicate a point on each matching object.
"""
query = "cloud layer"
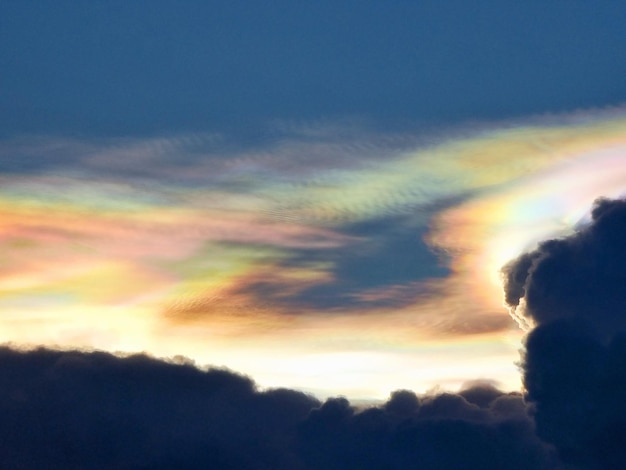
(65, 410)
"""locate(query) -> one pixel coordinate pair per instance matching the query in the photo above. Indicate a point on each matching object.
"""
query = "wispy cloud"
(338, 231)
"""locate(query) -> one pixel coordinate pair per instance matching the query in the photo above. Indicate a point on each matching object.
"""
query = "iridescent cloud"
(327, 257)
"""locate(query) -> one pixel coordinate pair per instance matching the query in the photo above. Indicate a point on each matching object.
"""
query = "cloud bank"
(574, 365)
(65, 410)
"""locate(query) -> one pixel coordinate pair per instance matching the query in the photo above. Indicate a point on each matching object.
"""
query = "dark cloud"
(581, 276)
(574, 362)
(576, 384)
(77, 410)
(435, 432)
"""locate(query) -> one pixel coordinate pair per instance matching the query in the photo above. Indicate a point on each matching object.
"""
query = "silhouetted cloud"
(574, 361)
(442, 431)
(580, 277)
(95, 410)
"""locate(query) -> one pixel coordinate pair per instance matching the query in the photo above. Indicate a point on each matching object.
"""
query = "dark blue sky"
(112, 68)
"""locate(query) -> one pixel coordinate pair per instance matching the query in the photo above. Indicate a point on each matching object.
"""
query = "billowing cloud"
(572, 290)
(94, 410)
(579, 277)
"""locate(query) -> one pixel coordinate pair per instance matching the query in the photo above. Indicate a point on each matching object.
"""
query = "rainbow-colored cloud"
(333, 254)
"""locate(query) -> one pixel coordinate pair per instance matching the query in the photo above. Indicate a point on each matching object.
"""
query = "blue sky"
(125, 68)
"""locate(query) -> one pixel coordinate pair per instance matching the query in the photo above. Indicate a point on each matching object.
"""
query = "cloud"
(574, 360)
(95, 410)
(374, 243)
(581, 276)
(71, 409)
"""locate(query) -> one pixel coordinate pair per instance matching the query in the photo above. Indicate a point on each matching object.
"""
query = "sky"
(312, 235)
(317, 195)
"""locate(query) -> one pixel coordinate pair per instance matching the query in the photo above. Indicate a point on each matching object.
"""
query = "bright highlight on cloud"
(302, 261)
